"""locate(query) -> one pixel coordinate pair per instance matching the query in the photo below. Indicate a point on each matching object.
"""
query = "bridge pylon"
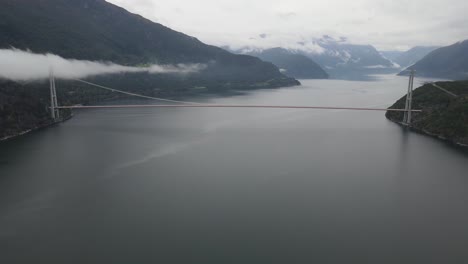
(409, 100)
(54, 111)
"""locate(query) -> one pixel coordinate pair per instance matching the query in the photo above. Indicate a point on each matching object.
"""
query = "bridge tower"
(54, 111)
(409, 100)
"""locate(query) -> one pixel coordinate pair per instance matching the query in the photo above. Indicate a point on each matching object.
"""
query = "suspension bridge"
(55, 107)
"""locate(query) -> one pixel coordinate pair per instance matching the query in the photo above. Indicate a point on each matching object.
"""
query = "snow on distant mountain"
(290, 63)
(339, 57)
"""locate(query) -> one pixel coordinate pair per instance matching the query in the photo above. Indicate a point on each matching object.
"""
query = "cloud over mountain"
(24, 65)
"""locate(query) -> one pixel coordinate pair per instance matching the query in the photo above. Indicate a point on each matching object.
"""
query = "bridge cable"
(444, 90)
(195, 104)
(134, 94)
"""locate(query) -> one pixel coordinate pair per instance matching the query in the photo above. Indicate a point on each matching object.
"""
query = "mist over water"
(22, 65)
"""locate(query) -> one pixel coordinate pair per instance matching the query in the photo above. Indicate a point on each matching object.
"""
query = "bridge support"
(54, 111)
(409, 100)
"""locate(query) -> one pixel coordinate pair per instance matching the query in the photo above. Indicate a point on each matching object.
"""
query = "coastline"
(439, 137)
(34, 129)
(444, 116)
(229, 92)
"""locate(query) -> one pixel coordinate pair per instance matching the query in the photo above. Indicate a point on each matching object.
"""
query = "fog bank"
(19, 65)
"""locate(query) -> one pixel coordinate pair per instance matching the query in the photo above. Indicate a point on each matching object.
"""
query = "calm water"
(237, 185)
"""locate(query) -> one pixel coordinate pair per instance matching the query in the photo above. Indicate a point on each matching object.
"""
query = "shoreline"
(291, 82)
(441, 138)
(443, 117)
(231, 92)
(31, 130)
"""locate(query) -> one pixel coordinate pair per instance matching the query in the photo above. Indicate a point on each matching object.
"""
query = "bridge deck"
(230, 106)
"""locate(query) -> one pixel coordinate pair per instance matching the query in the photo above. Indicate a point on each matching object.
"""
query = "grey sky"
(386, 24)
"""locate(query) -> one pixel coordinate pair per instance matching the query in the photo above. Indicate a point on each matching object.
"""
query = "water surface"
(237, 185)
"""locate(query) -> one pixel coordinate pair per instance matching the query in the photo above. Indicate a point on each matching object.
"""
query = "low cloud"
(22, 65)
(267, 41)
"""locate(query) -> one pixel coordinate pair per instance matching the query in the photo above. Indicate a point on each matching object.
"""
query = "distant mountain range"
(337, 57)
(290, 63)
(391, 54)
(342, 59)
(449, 62)
(98, 30)
(410, 57)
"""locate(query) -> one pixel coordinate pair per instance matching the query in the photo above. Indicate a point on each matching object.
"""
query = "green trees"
(443, 115)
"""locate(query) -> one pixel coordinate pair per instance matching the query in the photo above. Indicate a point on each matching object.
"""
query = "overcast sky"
(386, 24)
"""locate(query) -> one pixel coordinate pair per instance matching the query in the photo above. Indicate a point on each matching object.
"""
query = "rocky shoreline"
(28, 131)
(440, 137)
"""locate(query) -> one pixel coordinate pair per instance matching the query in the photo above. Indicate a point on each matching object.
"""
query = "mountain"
(291, 64)
(391, 54)
(449, 62)
(412, 56)
(339, 58)
(98, 30)
(443, 116)
(343, 60)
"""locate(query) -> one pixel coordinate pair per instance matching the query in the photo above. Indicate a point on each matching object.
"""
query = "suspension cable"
(135, 94)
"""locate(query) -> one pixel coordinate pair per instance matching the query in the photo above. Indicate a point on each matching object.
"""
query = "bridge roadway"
(229, 106)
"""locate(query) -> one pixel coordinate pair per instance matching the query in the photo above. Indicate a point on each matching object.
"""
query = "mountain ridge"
(339, 58)
(98, 30)
(450, 62)
(413, 55)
